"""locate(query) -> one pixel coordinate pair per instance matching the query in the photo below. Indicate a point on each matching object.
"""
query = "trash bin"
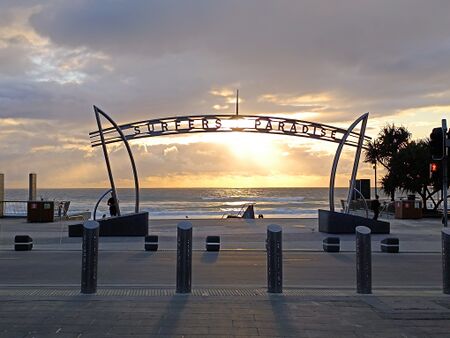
(408, 209)
(40, 211)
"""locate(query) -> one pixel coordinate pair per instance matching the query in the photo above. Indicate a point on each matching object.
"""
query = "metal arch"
(229, 117)
(98, 138)
(135, 128)
(362, 118)
(130, 154)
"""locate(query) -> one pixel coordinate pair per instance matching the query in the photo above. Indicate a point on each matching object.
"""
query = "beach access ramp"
(247, 211)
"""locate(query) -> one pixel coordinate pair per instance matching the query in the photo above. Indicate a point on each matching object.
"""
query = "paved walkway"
(39, 290)
(224, 316)
(223, 269)
(298, 234)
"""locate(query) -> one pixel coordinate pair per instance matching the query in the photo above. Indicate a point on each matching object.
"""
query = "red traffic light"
(434, 167)
(434, 171)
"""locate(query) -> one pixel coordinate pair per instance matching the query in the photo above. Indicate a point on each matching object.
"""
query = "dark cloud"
(363, 51)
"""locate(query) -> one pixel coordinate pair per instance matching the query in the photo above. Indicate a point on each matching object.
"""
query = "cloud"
(325, 61)
(348, 48)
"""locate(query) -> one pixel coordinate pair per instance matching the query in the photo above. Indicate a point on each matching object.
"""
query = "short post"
(445, 173)
(446, 260)
(274, 259)
(2, 194)
(331, 244)
(390, 244)
(23, 243)
(212, 243)
(89, 260)
(151, 243)
(32, 187)
(363, 260)
(184, 257)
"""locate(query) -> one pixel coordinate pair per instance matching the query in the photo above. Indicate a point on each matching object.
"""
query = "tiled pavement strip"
(145, 312)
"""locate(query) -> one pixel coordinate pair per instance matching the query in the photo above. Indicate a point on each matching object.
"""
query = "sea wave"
(255, 199)
(197, 203)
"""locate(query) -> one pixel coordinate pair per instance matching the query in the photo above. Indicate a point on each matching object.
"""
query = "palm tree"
(384, 150)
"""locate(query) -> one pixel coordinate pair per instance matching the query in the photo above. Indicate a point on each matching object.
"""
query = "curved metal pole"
(130, 154)
(94, 213)
(365, 202)
(108, 164)
(338, 155)
(356, 162)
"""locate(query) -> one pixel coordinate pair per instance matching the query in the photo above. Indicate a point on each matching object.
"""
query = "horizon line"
(271, 187)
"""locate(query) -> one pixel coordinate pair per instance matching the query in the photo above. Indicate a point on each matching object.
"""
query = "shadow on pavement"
(169, 322)
(282, 316)
(210, 257)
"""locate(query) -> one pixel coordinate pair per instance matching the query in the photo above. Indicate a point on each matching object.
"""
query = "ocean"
(197, 202)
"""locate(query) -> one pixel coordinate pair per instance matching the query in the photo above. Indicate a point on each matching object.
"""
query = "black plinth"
(23, 243)
(125, 225)
(331, 244)
(390, 244)
(212, 243)
(333, 222)
(151, 243)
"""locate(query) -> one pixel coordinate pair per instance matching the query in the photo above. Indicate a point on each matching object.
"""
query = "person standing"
(376, 207)
(112, 206)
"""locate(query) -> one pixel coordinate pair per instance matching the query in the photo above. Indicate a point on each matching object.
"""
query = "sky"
(323, 61)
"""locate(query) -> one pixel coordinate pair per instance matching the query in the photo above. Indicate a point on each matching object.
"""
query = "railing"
(94, 213)
(240, 213)
(356, 205)
(387, 209)
(19, 208)
(14, 208)
(243, 208)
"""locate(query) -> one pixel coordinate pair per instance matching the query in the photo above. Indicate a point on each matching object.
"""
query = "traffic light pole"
(445, 172)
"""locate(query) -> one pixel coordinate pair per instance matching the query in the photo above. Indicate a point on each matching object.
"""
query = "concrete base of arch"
(333, 222)
(135, 224)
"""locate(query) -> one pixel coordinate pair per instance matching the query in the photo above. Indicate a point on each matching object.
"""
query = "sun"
(251, 147)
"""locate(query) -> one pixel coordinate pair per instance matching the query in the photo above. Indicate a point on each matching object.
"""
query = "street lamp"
(375, 168)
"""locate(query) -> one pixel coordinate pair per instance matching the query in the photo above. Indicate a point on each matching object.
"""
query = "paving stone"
(220, 316)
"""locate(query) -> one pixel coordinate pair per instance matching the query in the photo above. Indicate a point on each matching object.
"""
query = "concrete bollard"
(151, 243)
(390, 245)
(184, 257)
(212, 243)
(446, 260)
(23, 243)
(274, 259)
(331, 244)
(89, 260)
(363, 260)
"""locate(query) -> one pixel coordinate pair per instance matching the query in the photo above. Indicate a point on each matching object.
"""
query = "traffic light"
(437, 142)
(436, 173)
(435, 169)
